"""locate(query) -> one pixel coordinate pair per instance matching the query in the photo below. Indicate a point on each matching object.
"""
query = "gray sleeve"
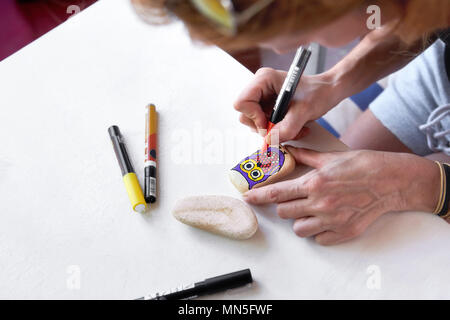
(418, 89)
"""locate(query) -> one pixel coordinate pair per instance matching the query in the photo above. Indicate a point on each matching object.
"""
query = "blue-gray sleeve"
(418, 89)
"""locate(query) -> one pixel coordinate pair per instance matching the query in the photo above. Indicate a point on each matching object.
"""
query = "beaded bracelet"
(442, 208)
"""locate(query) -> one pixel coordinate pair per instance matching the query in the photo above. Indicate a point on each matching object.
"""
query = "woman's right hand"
(313, 98)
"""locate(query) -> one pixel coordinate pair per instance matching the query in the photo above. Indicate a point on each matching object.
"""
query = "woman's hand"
(347, 191)
(313, 98)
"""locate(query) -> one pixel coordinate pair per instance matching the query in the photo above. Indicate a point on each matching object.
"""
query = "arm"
(369, 61)
(375, 57)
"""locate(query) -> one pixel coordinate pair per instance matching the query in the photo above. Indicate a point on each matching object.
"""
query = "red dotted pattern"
(269, 161)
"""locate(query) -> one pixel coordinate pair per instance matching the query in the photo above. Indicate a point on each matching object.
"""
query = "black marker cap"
(114, 131)
(226, 282)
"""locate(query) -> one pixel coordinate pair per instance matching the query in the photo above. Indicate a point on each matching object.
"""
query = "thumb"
(309, 157)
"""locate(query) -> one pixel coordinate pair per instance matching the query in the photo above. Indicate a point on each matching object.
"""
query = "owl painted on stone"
(261, 168)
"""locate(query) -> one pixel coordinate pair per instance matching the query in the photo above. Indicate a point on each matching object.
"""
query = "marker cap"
(134, 192)
(226, 281)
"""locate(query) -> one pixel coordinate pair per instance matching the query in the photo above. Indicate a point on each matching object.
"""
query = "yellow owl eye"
(256, 174)
(248, 165)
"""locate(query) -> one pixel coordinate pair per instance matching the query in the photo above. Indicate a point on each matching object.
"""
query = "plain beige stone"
(221, 215)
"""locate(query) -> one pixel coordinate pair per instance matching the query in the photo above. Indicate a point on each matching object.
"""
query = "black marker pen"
(288, 89)
(209, 286)
(129, 176)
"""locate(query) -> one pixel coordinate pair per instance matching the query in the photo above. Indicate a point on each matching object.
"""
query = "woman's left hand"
(347, 191)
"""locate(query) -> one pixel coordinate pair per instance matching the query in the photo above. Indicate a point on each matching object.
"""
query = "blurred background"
(22, 21)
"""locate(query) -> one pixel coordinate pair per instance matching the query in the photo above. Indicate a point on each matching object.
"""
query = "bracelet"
(446, 206)
(442, 208)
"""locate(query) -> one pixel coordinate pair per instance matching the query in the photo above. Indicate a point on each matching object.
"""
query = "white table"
(66, 227)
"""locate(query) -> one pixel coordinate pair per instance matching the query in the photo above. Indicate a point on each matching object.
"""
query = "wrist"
(428, 188)
(336, 85)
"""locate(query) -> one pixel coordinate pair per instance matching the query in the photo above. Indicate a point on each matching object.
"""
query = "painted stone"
(262, 168)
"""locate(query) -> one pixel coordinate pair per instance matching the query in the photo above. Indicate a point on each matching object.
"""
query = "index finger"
(253, 111)
(277, 192)
(256, 99)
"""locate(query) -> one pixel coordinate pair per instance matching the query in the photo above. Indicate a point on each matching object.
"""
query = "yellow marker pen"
(129, 177)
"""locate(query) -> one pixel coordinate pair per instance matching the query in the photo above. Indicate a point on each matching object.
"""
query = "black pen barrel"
(287, 92)
(150, 183)
(209, 286)
(120, 150)
(180, 295)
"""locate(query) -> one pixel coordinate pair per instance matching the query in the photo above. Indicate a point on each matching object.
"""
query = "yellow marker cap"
(135, 192)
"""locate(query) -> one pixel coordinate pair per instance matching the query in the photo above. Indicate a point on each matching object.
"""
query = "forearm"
(375, 57)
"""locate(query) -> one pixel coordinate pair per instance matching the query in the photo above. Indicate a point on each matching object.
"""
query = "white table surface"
(63, 204)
